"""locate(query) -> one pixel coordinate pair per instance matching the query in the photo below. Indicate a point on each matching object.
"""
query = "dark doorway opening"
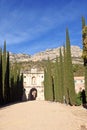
(32, 94)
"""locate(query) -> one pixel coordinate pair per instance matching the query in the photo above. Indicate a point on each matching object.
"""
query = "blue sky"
(31, 26)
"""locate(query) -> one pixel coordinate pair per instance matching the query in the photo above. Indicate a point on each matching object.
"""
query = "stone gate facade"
(34, 79)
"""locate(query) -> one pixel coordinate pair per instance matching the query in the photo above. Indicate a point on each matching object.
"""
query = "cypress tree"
(4, 71)
(65, 80)
(49, 82)
(86, 82)
(45, 84)
(58, 84)
(84, 54)
(11, 86)
(16, 84)
(21, 87)
(15, 81)
(70, 76)
(56, 81)
(83, 22)
(7, 79)
(13, 92)
(61, 77)
(1, 94)
(84, 39)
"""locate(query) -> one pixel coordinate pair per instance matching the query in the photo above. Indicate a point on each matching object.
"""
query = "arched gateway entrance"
(34, 79)
(32, 94)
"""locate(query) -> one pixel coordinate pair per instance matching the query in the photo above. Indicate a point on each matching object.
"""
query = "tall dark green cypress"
(56, 81)
(15, 81)
(12, 84)
(84, 39)
(61, 77)
(49, 82)
(4, 71)
(16, 84)
(45, 84)
(7, 79)
(1, 94)
(21, 87)
(69, 71)
(65, 80)
(86, 82)
(84, 55)
(83, 22)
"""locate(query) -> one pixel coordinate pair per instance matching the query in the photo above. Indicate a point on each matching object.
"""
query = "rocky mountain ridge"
(76, 53)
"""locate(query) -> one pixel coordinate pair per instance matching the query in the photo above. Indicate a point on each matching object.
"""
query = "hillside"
(76, 53)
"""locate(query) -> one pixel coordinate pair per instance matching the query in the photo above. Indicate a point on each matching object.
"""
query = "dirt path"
(42, 115)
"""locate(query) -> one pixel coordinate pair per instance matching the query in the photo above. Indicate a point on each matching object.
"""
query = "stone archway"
(32, 94)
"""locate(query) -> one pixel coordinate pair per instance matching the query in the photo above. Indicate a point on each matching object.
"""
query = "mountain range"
(76, 54)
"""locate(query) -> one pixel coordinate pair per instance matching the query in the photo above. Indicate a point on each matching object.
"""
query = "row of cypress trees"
(59, 85)
(11, 82)
(84, 55)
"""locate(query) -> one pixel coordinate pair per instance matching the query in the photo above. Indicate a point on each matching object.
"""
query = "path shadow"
(85, 106)
(83, 127)
(9, 104)
(24, 97)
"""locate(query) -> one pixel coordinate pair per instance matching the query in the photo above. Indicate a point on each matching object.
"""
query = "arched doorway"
(32, 94)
